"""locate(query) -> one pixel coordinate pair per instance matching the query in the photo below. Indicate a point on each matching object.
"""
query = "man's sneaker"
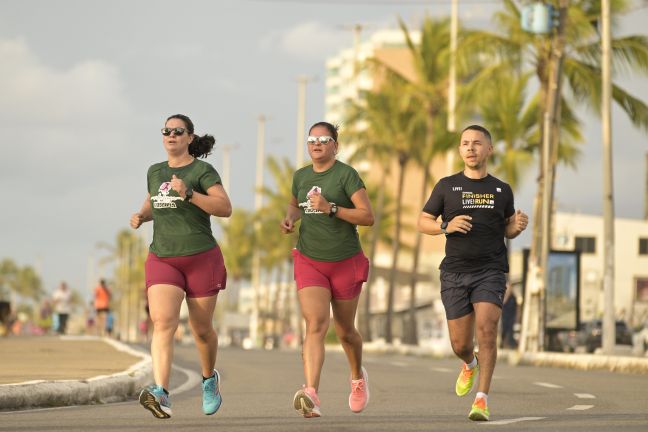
(466, 380)
(211, 397)
(359, 397)
(479, 411)
(307, 403)
(154, 399)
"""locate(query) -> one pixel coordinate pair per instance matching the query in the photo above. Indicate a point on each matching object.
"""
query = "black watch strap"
(334, 210)
(188, 194)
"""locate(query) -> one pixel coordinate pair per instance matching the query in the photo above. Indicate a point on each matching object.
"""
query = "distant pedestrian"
(102, 296)
(62, 301)
(184, 258)
(477, 212)
(509, 316)
(331, 200)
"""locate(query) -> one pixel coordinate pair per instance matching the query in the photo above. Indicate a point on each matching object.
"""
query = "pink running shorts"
(344, 278)
(199, 275)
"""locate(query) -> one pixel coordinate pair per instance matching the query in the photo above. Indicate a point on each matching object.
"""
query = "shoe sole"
(365, 375)
(218, 378)
(476, 416)
(148, 401)
(304, 405)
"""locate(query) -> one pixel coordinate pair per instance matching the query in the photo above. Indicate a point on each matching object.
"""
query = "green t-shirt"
(321, 237)
(180, 228)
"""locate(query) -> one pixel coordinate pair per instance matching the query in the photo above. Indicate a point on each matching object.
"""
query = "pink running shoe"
(307, 403)
(359, 397)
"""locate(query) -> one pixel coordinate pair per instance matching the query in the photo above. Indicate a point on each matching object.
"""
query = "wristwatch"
(188, 194)
(444, 227)
(333, 210)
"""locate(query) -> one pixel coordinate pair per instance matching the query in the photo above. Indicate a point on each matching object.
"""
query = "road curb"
(636, 365)
(100, 389)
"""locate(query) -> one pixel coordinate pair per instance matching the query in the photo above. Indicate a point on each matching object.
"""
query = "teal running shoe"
(154, 399)
(211, 397)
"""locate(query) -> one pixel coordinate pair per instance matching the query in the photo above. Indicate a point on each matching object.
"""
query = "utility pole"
(609, 330)
(538, 18)
(227, 150)
(256, 257)
(452, 87)
(302, 80)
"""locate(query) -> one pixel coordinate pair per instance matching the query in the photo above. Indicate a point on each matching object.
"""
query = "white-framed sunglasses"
(321, 139)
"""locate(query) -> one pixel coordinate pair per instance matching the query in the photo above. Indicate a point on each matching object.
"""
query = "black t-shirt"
(489, 201)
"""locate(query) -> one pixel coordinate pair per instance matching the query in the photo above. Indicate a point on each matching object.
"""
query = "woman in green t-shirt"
(331, 200)
(183, 259)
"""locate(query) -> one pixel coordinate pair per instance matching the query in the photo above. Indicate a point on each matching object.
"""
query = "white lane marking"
(584, 396)
(580, 407)
(442, 369)
(548, 385)
(193, 379)
(516, 420)
(397, 363)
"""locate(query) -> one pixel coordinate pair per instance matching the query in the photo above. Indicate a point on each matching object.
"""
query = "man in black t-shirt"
(477, 212)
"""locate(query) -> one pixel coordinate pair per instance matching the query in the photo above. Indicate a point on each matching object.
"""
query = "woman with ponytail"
(184, 259)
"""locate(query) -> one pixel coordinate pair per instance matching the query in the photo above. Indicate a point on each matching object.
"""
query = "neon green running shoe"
(466, 380)
(479, 411)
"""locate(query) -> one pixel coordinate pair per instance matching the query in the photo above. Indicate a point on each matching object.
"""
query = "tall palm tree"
(276, 247)
(369, 134)
(444, 142)
(404, 128)
(237, 251)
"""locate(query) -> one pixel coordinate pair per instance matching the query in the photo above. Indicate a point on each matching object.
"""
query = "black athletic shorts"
(460, 290)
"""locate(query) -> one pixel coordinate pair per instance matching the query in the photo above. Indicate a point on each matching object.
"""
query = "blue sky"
(86, 86)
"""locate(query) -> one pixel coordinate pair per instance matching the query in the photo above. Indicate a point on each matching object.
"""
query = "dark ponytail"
(201, 146)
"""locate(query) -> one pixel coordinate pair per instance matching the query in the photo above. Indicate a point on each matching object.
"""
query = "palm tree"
(403, 127)
(276, 247)
(8, 271)
(370, 134)
(444, 142)
(237, 248)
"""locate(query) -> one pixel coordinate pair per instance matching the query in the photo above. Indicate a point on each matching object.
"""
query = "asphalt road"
(407, 394)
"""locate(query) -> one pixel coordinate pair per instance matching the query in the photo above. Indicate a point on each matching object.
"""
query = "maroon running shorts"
(199, 275)
(344, 278)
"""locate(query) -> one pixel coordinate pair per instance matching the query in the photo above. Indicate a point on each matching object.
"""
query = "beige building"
(581, 232)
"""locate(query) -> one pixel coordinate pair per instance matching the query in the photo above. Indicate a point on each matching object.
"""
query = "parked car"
(593, 332)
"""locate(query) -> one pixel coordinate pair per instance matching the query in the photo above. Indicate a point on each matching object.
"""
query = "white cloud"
(37, 94)
(310, 41)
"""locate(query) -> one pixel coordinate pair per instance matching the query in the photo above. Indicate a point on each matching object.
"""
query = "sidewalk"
(39, 371)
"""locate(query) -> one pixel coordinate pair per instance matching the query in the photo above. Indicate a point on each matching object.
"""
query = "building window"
(586, 244)
(641, 289)
(643, 246)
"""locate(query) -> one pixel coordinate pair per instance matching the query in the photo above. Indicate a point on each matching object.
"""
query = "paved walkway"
(52, 358)
(47, 371)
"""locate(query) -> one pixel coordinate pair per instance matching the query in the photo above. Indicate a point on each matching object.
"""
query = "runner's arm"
(216, 202)
(361, 214)
(293, 214)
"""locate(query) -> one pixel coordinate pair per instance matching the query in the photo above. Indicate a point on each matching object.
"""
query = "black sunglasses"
(176, 131)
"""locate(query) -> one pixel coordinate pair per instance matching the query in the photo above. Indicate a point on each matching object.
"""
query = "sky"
(85, 87)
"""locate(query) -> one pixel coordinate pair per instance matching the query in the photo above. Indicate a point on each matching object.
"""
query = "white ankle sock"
(482, 395)
(473, 363)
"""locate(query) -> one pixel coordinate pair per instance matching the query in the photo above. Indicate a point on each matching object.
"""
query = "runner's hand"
(520, 220)
(179, 186)
(318, 202)
(460, 224)
(136, 220)
(287, 225)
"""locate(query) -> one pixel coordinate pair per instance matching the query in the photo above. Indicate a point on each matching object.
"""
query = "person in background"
(102, 297)
(62, 301)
